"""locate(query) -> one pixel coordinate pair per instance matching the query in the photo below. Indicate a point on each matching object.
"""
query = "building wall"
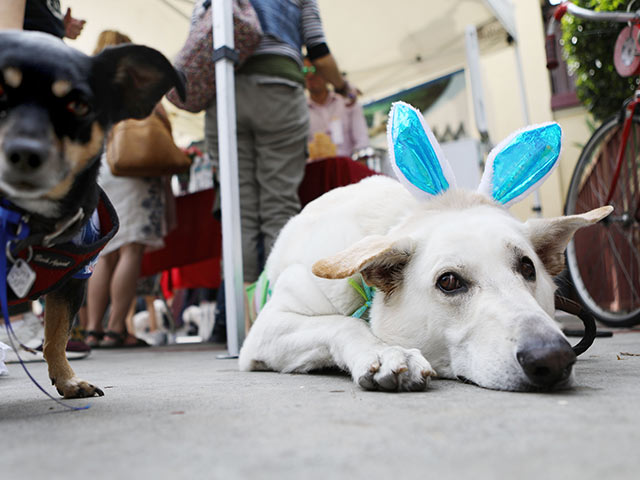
(505, 111)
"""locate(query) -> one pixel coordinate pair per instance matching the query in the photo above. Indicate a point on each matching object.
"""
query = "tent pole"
(477, 91)
(222, 11)
(537, 207)
(503, 10)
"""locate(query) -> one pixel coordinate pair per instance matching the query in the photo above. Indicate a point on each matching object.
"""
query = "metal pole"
(477, 91)
(537, 207)
(504, 12)
(222, 11)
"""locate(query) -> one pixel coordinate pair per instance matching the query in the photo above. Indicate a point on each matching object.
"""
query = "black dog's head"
(57, 103)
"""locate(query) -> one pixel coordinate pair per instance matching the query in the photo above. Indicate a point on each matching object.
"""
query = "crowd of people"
(280, 128)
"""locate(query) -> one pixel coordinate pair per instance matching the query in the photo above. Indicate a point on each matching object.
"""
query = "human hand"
(349, 92)
(72, 26)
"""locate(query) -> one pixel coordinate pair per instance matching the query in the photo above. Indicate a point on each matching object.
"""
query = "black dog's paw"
(76, 388)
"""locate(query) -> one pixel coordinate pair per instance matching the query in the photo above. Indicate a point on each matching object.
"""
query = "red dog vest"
(56, 264)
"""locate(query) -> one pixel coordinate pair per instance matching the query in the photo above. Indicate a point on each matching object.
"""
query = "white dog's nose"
(546, 363)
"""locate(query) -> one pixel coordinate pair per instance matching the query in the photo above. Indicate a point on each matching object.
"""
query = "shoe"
(77, 348)
(3, 368)
(154, 338)
(29, 330)
(27, 356)
(97, 337)
(120, 340)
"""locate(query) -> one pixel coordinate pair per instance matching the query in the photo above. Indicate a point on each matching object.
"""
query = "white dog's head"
(472, 284)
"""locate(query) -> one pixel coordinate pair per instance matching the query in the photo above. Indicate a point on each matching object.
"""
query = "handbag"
(195, 59)
(145, 148)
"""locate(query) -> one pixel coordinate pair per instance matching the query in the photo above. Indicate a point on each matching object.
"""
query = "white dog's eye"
(527, 270)
(449, 282)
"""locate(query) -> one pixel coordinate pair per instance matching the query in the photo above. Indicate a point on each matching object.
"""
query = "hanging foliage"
(589, 48)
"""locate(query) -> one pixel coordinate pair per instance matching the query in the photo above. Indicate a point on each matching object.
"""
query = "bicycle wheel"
(604, 259)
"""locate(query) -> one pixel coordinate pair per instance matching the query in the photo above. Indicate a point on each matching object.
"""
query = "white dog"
(462, 288)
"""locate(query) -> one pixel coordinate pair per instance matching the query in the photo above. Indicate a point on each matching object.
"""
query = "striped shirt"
(311, 31)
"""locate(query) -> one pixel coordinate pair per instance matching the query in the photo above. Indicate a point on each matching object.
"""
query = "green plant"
(589, 48)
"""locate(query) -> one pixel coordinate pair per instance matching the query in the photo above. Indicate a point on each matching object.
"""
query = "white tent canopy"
(382, 47)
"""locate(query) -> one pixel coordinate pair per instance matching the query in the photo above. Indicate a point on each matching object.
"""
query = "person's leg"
(128, 319)
(248, 186)
(153, 318)
(98, 295)
(280, 144)
(123, 285)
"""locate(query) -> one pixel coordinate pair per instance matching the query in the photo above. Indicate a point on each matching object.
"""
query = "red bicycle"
(604, 260)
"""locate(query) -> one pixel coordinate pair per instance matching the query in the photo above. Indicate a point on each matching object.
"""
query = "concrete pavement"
(179, 412)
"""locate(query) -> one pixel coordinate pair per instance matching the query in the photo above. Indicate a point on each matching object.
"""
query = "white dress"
(140, 205)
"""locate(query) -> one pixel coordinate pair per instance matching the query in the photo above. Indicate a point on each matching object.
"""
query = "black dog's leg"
(60, 308)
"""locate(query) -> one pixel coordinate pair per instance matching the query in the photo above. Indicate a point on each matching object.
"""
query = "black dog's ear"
(135, 78)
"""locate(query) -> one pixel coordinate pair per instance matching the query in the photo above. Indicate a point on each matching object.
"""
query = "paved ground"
(179, 412)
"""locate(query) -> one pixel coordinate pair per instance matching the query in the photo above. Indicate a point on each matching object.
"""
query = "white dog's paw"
(393, 369)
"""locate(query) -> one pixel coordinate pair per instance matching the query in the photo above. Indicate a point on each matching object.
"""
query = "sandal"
(121, 340)
(97, 336)
(112, 339)
(138, 342)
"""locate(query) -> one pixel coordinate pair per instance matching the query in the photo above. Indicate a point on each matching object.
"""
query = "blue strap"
(12, 227)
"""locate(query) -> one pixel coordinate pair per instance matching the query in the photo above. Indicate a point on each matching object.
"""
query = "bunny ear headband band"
(514, 168)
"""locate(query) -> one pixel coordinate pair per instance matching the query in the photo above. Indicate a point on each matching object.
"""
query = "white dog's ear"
(380, 260)
(521, 162)
(415, 155)
(550, 236)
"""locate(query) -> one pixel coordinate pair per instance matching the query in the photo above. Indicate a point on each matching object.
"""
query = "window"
(563, 88)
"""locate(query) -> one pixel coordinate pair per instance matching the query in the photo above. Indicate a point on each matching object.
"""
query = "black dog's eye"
(527, 270)
(451, 283)
(78, 108)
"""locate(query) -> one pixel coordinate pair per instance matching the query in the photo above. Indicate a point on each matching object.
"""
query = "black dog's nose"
(546, 363)
(24, 153)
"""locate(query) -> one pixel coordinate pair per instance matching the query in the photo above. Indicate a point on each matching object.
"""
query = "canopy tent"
(385, 49)
(381, 49)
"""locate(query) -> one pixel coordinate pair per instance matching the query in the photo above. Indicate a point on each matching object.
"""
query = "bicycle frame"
(629, 111)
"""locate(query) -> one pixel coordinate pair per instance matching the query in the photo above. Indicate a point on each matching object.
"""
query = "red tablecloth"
(191, 256)
(197, 238)
(324, 175)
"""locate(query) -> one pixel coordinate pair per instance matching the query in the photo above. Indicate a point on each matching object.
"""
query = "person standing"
(332, 115)
(46, 16)
(273, 121)
(140, 203)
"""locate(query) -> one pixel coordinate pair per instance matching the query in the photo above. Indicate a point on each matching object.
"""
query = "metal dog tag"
(21, 278)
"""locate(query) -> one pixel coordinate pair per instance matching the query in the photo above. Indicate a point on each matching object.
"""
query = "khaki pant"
(272, 128)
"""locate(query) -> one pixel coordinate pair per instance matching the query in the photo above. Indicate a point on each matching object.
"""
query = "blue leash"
(12, 227)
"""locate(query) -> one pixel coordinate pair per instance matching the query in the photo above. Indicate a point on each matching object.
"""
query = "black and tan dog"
(56, 106)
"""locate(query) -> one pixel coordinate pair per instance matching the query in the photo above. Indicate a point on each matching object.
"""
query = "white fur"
(307, 325)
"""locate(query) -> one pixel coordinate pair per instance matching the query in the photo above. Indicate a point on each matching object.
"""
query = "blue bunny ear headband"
(514, 168)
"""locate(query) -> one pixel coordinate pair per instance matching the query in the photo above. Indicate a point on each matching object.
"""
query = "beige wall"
(505, 111)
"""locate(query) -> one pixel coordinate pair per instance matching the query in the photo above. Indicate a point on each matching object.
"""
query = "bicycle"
(604, 260)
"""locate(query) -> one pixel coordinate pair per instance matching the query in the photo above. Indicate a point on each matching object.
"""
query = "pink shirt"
(345, 125)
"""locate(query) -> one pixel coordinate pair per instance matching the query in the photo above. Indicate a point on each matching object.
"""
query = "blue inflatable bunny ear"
(521, 162)
(416, 156)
